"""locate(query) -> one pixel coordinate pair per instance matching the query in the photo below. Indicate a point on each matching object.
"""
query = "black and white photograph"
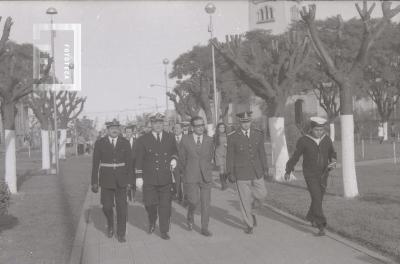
(200, 132)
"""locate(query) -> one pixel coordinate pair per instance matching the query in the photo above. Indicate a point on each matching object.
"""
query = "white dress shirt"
(111, 140)
(196, 137)
(155, 135)
(178, 138)
(248, 132)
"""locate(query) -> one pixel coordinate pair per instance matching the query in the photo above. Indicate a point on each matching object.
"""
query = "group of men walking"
(183, 163)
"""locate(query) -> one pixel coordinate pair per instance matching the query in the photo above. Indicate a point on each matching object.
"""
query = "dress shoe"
(321, 232)
(206, 233)
(165, 236)
(248, 230)
(152, 227)
(110, 232)
(121, 239)
(254, 220)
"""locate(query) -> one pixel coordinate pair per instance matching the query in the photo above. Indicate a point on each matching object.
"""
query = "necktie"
(113, 142)
(198, 140)
(246, 133)
(158, 138)
(177, 139)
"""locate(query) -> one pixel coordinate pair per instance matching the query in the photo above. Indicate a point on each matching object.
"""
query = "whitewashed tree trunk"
(63, 142)
(348, 160)
(45, 149)
(385, 131)
(279, 147)
(10, 161)
(210, 130)
(332, 131)
(52, 148)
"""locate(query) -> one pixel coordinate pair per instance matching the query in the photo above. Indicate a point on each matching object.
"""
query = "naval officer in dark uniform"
(156, 157)
(319, 157)
(247, 166)
(112, 170)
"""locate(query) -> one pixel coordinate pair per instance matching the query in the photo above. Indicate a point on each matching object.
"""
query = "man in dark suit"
(178, 172)
(247, 166)
(112, 163)
(197, 155)
(156, 156)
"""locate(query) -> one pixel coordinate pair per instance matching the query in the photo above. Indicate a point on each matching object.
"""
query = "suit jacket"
(245, 157)
(104, 152)
(197, 160)
(179, 168)
(153, 159)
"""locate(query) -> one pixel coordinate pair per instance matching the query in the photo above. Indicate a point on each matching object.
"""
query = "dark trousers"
(178, 186)
(157, 201)
(317, 191)
(107, 200)
(199, 192)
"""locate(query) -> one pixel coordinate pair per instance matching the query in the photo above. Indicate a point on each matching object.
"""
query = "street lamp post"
(52, 11)
(165, 62)
(210, 9)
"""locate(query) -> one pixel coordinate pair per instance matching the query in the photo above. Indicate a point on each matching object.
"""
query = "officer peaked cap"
(114, 122)
(157, 117)
(244, 116)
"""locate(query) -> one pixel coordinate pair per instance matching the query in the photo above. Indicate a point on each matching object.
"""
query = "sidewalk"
(277, 239)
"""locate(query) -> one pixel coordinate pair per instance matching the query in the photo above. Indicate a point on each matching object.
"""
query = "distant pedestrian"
(197, 156)
(220, 142)
(81, 144)
(380, 133)
(246, 165)
(156, 157)
(112, 160)
(319, 157)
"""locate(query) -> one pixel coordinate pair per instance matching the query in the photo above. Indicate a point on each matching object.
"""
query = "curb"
(80, 235)
(376, 255)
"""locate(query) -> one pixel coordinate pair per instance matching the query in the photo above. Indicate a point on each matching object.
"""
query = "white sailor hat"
(317, 121)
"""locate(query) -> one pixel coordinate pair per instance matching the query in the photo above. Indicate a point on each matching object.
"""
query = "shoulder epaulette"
(231, 133)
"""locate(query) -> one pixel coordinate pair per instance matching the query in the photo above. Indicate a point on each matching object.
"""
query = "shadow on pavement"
(137, 216)
(224, 217)
(264, 212)
(8, 222)
(97, 217)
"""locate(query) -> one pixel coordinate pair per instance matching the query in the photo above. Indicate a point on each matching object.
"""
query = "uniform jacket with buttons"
(105, 152)
(197, 159)
(245, 157)
(153, 159)
(315, 156)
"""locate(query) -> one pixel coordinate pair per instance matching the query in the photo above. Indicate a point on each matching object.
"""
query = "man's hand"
(173, 164)
(287, 176)
(95, 188)
(332, 164)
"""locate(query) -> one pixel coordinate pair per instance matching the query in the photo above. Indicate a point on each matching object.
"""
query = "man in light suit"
(196, 158)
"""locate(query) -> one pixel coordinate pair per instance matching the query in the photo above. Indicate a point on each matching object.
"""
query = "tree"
(42, 107)
(325, 90)
(268, 65)
(69, 106)
(382, 84)
(194, 86)
(347, 77)
(16, 81)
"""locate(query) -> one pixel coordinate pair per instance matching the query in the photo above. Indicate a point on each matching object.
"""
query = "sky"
(124, 43)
